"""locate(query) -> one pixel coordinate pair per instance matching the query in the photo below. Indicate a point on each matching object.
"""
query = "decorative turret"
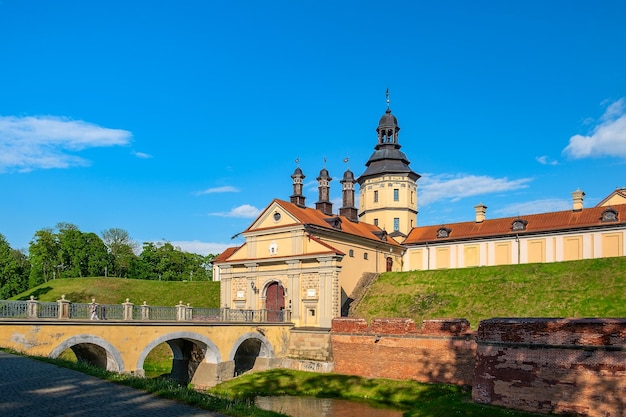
(388, 187)
(324, 204)
(387, 157)
(298, 180)
(347, 190)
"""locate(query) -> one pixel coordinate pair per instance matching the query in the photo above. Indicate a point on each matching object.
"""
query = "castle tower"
(323, 204)
(388, 187)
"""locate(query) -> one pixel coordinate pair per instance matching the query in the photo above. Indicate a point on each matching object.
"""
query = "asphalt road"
(30, 388)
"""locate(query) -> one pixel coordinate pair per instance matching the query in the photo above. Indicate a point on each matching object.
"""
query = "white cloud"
(201, 248)
(244, 211)
(44, 142)
(455, 187)
(142, 155)
(532, 207)
(608, 137)
(224, 189)
(545, 160)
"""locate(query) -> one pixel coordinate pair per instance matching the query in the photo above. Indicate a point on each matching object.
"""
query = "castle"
(312, 262)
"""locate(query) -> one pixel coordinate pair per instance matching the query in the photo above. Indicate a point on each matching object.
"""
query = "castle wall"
(551, 365)
(441, 351)
(539, 365)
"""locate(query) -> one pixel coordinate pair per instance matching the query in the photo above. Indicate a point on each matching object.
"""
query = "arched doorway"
(275, 301)
(389, 264)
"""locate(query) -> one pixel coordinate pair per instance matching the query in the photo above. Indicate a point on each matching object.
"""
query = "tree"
(164, 261)
(122, 248)
(43, 253)
(14, 270)
(81, 254)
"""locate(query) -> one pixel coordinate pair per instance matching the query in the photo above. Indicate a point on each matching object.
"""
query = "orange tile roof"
(311, 216)
(226, 254)
(537, 223)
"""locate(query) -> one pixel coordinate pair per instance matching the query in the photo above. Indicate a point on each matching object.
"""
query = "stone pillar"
(145, 311)
(32, 308)
(188, 312)
(127, 310)
(181, 311)
(64, 308)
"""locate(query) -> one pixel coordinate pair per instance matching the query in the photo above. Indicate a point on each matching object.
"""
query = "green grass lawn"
(416, 399)
(588, 288)
(117, 290)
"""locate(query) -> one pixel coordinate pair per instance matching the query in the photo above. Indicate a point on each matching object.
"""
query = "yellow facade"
(390, 202)
(317, 267)
(612, 244)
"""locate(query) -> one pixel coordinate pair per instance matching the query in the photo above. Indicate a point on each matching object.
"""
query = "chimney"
(578, 197)
(481, 212)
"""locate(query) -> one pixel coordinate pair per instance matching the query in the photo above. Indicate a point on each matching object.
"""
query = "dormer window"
(443, 232)
(334, 222)
(519, 225)
(381, 234)
(609, 215)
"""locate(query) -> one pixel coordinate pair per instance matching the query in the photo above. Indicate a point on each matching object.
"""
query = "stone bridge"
(204, 353)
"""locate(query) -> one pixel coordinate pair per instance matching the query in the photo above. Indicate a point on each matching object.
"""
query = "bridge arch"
(247, 349)
(189, 351)
(92, 349)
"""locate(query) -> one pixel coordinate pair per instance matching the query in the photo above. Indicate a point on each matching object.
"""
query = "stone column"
(145, 311)
(127, 310)
(64, 308)
(180, 311)
(32, 308)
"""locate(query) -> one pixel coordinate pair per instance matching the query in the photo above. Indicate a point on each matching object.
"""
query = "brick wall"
(553, 365)
(440, 351)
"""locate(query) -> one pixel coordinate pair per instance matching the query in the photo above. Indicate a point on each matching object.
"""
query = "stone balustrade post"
(188, 312)
(181, 310)
(225, 314)
(64, 308)
(127, 310)
(145, 311)
(32, 308)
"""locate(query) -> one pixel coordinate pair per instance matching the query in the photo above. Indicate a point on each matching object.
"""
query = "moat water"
(322, 407)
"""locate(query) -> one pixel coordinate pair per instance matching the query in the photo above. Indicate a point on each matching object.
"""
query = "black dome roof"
(388, 120)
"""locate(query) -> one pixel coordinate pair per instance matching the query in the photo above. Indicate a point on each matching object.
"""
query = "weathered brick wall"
(553, 365)
(441, 351)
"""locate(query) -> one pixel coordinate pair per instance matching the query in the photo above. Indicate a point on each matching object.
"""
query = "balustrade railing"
(13, 309)
(66, 310)
(47, 310)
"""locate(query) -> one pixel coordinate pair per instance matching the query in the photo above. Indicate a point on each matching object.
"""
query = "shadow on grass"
(417, 399)
(36, 293)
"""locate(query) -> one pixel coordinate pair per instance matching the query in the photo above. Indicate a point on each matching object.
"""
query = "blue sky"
(180, 121)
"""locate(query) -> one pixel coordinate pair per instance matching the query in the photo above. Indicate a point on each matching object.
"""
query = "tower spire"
(388, 101)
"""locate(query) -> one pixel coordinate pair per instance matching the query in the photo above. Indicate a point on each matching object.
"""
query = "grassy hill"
(588, 288)
(117, 290)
